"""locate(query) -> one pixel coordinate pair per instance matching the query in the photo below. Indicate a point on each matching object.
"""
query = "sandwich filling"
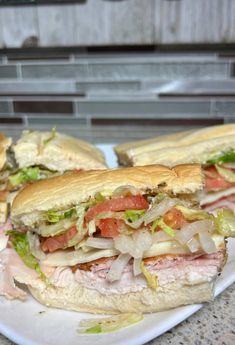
(219, 192)
(121, 243)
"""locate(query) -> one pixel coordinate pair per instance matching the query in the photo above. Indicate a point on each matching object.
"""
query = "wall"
(100, 22)
(116, 97)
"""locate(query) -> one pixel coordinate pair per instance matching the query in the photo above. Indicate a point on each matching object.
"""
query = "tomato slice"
(109, 227)
(135, 202)
(174, 218)
(54, 243)
(214, 181)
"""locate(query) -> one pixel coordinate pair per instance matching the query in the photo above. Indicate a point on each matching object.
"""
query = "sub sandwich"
(115, 241)
(213, 147)
(39, 155)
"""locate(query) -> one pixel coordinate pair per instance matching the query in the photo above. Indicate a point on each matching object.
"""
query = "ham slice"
(179, 269)
(225, 202)
(3, 237)
(13, 269)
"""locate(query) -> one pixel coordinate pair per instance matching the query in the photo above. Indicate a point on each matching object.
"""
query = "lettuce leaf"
(225, 222)
(160, 222)
(109, 324)
(56, 216)
(20, 243)
(25, 175)
(133, 215)
(151, 278)
(190, 214)
(228, 157)
(227, 174)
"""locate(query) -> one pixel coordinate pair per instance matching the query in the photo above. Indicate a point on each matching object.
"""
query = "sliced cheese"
(73, 257)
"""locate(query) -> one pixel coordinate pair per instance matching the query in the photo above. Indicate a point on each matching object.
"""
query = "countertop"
(212, 325)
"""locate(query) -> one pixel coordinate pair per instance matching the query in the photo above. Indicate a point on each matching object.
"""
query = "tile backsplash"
(116, 97)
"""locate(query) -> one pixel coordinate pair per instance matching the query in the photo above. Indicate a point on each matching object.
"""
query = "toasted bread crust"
(179, 148)
(59, 153)
(78, 298)
(4, 144)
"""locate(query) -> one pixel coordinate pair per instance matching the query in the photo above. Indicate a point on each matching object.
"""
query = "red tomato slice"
(109, 227)
(214, 181)
(174, 218)
(135, 202)
(51, 244)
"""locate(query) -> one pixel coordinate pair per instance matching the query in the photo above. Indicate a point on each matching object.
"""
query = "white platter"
(29, 323)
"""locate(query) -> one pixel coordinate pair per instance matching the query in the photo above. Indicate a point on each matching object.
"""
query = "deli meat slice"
(226, 202)
(12, 268)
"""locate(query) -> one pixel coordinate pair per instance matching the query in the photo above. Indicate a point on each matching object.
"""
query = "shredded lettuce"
(151, 278)
(190, 214)
(25, 175)
(225, 222)
(160, 222)
(227, 174)
(20, 243)
(133, 215)
(228, 157)
(56, 216)
(51, 137)
(109, 324)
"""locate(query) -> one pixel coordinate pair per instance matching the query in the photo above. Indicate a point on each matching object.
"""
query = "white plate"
(29, 323)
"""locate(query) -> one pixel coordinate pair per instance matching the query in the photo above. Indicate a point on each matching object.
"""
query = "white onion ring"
(189, 230)
(193, 245)
(35, 247)
(100, 243)
(117, 267)
(136, 267)
(208, 245)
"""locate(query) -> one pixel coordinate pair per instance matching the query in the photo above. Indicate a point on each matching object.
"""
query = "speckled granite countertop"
(212, 325)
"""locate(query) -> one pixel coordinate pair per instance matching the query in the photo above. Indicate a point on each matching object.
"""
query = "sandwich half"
(40, 155)
(213, 147)
(115, 241)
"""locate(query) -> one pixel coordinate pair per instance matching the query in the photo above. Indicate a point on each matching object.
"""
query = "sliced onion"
(134, 245)
(55, 229)
(193, 245)
(91, 227)
(117, 267)
(101, 243)
(161, 236)
(159, 210)
(35, 247)
(154, 212)
(208, 245)
(189, 230)
(136, 267)
(125, 190)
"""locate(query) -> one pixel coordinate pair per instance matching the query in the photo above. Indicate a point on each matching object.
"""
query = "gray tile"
(224, 107)
(55, 121)
(158, 70)
(5, 107)
(197, 86)
(136, 108)
(8, 71)
(19, 86)
(55, 71)
(202, 70)
(107, 86)
(127, 71)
